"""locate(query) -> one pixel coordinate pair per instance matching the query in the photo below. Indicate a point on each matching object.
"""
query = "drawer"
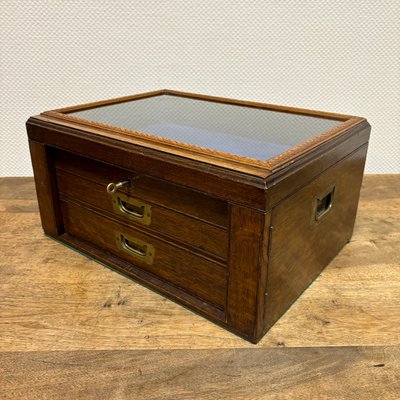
(174, 197)
(135, 211)
(194, 274)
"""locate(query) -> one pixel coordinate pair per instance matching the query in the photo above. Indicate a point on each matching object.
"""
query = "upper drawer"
(142, 211)
(184, 200)
(129, 209)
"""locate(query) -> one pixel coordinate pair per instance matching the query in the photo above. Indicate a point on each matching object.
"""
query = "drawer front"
(133, 210)
(174, 197)
(195, 274)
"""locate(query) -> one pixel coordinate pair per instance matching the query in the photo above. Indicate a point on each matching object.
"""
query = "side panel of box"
(46, 188)
(308, 230)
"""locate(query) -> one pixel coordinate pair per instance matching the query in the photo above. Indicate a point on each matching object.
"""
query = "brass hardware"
(113, 187)
(131, 208)
(323, 204)
(124, 207)
(135, 247)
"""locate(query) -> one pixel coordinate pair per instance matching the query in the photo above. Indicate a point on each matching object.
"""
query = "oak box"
(229, 207)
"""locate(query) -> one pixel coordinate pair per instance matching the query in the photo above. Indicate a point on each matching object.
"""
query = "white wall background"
(341, 56)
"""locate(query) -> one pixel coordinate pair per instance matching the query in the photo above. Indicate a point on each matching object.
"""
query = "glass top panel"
(244, 131)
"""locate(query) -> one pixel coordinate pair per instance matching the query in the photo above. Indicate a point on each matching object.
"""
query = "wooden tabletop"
(71, 328)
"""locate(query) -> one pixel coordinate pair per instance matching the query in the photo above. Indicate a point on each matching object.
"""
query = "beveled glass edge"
(345, 122)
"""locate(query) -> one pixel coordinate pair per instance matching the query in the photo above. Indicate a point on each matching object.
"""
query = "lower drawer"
(197, 275)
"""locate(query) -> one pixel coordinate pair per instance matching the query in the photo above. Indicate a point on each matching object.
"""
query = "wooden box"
(229, 207)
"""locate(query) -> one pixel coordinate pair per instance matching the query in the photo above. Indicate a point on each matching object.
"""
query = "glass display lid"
(231, 128)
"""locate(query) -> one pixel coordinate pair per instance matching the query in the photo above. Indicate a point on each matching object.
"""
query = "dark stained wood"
(147, 279)
(70, 328)
(192, 273)
(230, 168)
(301, 373)
(204, 237)
(61, 300)
(43, 168)
(219, 182)
(300, 246)
(264, 252)
(157, 191)
(287, 181)
(244, 269)
(235, 239)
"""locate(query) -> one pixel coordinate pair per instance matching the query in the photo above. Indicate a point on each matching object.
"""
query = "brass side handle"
(138, 248)
(113, 187)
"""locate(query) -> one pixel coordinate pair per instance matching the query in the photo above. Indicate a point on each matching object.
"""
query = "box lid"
(239, 135)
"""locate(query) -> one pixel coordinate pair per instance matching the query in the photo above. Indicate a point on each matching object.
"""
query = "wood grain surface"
(71, 328)
(246, 374)
(301, 246)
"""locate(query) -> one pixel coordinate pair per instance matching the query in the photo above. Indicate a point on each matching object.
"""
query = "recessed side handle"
(323, 204)
(135, 247)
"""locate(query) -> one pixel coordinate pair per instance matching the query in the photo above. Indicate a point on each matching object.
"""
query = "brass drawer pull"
(131, 208)
(113, 187)
(136, 247)
(134, 210)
